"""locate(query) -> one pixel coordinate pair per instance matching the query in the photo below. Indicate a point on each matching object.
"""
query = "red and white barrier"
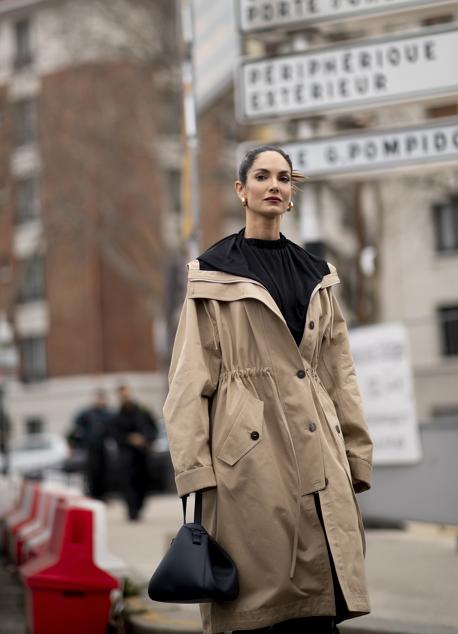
(60, 537)
(50, 493)
(65, 590)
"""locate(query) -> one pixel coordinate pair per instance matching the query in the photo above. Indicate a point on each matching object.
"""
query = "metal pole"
(4, 433)
(190, 174)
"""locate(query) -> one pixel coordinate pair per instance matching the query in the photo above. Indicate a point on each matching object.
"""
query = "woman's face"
(268, 188)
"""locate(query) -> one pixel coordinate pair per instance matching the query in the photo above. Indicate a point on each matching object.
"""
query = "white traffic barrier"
(102, 557)
(23, 512)
(38, 538)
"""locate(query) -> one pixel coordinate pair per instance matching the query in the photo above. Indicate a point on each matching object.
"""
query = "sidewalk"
(12, 617)
(413, 576)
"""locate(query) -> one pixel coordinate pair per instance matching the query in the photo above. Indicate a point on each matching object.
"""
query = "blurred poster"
(383, 367)
(216, 48)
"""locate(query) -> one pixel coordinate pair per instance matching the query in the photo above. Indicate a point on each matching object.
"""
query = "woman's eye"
(285, 179)
(260, 177)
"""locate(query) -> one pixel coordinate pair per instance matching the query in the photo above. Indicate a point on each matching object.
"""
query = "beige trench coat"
(263, 424)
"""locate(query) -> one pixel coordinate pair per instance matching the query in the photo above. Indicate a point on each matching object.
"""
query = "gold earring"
(290, 205)
(243, 201)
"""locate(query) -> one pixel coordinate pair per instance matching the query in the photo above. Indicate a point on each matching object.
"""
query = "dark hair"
(253, 154)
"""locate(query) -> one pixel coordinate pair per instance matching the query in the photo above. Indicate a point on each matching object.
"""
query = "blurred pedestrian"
(264, 414)
(134, 429)
(91, 429)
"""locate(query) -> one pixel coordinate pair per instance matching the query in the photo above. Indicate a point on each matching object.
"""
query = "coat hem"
(255, 619)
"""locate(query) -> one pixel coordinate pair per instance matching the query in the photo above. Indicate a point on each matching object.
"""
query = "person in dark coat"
(90, 431)
(134, 429)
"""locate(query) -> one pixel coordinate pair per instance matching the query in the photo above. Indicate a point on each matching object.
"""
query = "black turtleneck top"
(287, 271)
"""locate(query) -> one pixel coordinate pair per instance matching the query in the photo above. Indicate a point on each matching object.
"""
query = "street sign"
(374, 150)
(382, 360)
(371, 73)
(259, 15)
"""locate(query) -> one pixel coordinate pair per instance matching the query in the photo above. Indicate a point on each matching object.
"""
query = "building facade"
(87, 92)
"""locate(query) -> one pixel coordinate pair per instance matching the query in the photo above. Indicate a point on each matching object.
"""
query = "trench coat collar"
(247, 287)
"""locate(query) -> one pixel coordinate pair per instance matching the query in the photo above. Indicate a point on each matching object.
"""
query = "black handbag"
(195, 569)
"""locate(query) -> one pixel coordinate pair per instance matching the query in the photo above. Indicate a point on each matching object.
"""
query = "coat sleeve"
(193, 378)
(337, 370)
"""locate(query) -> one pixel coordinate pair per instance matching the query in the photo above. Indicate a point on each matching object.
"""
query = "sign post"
(8, 366)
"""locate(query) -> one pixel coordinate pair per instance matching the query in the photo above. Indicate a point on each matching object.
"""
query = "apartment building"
(87, 95)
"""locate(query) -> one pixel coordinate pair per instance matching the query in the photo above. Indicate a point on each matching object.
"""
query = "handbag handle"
(197, 507)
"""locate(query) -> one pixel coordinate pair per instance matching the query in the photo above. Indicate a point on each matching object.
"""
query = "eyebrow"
(263, 169)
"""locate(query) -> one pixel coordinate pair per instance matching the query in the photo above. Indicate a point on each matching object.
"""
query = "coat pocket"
(245, 433)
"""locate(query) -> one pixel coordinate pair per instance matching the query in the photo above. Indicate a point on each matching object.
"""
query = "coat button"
(254, 435)
(312, 427)
(312, 325)
(338, 429)
(300, 374)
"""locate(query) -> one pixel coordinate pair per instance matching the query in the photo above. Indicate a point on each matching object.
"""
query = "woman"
(264, 414)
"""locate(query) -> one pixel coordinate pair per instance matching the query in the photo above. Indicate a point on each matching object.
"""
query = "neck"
(262, 228)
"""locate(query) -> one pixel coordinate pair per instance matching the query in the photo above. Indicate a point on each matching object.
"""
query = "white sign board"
(257, 15)
(384, 71)
(376, 150)
(382, 360)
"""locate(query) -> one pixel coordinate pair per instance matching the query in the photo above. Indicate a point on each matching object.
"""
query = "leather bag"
(195, 569)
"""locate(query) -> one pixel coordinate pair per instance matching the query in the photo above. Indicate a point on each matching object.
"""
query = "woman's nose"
(273, 187)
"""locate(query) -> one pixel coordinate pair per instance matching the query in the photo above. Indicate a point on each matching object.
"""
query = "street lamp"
(8, 365)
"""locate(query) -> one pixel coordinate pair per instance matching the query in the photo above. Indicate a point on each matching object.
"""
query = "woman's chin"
(269, 212)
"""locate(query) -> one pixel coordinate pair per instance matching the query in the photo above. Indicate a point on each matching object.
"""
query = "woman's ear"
(239, 189)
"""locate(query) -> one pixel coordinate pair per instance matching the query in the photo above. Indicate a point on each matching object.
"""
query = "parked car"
(32, 454)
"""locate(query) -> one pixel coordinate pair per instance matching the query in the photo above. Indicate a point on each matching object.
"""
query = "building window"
(31, 285)
(34, 425)
(26, 122)
(6, 269)
(438, 19)
(27, 201)
(448, 323)
(33, 358)
(446, 225)
(443, 110)
(445, 414)
(23, 41)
